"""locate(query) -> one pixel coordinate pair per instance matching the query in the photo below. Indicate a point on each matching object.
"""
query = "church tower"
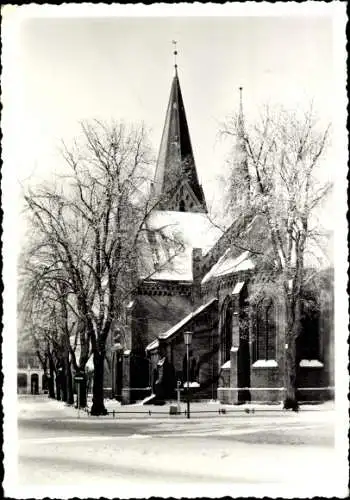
(176, 182)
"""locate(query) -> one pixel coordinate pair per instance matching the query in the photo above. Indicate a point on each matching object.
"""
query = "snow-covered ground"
(271, 453)
(204, 409)
(150, 464)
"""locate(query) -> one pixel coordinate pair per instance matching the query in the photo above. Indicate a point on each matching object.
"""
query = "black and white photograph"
(174, 195)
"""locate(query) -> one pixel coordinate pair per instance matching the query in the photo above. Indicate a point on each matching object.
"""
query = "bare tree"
(277, 178)
(46, 316)
(90, 231)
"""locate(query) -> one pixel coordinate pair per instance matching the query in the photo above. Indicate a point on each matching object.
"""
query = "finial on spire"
(174, 42)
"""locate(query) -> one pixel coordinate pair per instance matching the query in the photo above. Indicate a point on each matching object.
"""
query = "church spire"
(176, 181)
(242, 157)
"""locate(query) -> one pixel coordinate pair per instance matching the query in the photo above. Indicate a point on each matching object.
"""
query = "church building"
(237, 349)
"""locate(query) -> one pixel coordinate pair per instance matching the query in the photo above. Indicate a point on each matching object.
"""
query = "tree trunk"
(98, 407)
(82, 394)
(63, 383)
(58, 386)
(51, 381)
(69, 382)
(290, 367)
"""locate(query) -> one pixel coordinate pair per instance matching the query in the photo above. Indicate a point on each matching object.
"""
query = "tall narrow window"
(266, 330)
(308, 342)
(226, 330)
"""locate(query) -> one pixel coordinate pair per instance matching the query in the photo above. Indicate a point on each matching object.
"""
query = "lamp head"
(187, 338)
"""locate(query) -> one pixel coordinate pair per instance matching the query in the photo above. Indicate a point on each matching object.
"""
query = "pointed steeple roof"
(176, 176)
(241, 154)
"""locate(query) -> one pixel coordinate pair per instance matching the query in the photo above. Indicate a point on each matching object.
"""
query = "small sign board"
(79, 377)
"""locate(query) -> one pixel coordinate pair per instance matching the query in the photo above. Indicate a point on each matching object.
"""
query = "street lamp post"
(187, 341)
(116, 348)
(60, 375)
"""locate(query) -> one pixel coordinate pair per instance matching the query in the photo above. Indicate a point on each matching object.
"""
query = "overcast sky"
(64, 64)
(69, 69)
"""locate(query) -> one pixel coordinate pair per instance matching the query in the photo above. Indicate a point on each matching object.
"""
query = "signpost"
(79, 377)
(178, 396)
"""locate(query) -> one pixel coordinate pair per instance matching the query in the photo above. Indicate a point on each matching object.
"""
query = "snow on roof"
(194, 227)
(238, 287)
(180, 324)
(228, 264)
(265, 363)
(152, 345)
(192, 230)
(179, 268)
(186, 319)
(310, 363)
(227, 364)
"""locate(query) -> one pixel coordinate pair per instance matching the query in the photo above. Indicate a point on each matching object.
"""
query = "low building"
(30, 375)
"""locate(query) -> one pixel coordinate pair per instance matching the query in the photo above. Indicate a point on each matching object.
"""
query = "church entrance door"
(34, 383)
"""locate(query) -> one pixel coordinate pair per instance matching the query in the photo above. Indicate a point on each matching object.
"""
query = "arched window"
(182, 206)
(265, 330)
(226, 330)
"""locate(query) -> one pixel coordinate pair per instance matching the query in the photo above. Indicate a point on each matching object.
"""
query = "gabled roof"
(229, 264)
(174, 329)
(175, 159)
(257, 236)
(187, 230)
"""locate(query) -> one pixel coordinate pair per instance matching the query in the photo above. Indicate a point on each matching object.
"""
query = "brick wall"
(268, 380)
(156, 315)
